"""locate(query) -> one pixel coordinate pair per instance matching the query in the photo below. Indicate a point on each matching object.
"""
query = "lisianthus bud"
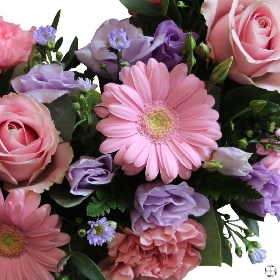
(202, 51)
(271, 127)
(58, 56)
(181, 4)
(238, 252)
(124, 64)
(235, 161)
(242, 143)
(220, 71)
(249, 133)
(189, 44)
(191, 61)
(257, 105)
(103, 66)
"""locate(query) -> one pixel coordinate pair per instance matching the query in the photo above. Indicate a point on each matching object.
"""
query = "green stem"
(246, 110)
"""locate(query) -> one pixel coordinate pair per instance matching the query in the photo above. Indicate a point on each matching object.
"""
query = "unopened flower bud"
(181, 4)
(189, 44)
(212, 165)
(249, 133)
(191, 61)
(242, 143)
(257, 105)
(51, 44)
(220, 71)
(238, 252)
(229, 243)
(112, 224)
(202, 51)
(248, 233)
(82, 232)
(271, 127)
(58, 56)
(124, 64)
(256, 244)
(77, 106)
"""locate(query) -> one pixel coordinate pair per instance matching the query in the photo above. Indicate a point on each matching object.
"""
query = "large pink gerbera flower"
(29, 238)
(159, 120)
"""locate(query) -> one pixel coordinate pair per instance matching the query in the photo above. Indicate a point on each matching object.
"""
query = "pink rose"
(30, 154)
(15, 46)
(160, 253)
(248, 30)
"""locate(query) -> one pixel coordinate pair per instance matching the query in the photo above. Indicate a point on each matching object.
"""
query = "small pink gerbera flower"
(29, 238)
(159, 120)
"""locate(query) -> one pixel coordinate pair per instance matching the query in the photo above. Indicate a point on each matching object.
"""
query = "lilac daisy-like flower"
(101, 231)
(118, 40)
(257, 256)
(43, 35)
(85, 84)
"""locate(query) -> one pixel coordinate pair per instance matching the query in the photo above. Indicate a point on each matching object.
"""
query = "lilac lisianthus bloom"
(140, 47)
(45, 83)
(157, 204)
(83, 174)
(267, 183)
(43, 35)
(257, 256)
(233, 160)
(170, 52)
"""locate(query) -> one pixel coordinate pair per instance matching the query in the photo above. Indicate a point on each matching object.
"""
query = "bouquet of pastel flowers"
(125, 178)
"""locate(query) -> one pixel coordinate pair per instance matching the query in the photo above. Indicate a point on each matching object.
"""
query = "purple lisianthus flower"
(170, 52)
(100, 232)
(267, 183)
(157, 204)
(43, 35)
(83, 174)
(233, 160)
(45, 83)
(96, 52)
(118, 40)
(257, 256)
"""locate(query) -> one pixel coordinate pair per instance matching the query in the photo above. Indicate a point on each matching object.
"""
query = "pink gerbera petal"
(33, 252)
(159, 120)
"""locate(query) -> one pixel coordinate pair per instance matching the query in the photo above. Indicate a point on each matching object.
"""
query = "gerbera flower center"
(12, 241)
(158, 122)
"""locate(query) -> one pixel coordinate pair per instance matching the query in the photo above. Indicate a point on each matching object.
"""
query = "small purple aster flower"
(117, 39)
(100, 232)
(85, 84)
(257, 256)
(43, 35)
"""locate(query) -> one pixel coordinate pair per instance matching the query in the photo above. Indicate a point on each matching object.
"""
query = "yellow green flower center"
(158, 122)
(12, 241)
(99, 229)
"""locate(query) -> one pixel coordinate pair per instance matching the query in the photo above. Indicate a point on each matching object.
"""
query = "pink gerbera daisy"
(159, 120)
(29, 238)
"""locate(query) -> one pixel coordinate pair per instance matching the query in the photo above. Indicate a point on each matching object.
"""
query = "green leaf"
(142, 7)
(174, 13)
(212, 254)
(56, 20)
(251, 224)
(164, 6)
(97, 208)
(226, 251)
(70, 60)
(63, 115)
(58, 44)
(64, 260)
(241, 212)
(86, 266)
(62, 196)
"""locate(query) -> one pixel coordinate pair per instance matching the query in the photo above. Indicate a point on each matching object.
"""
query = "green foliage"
(56, 20)
(64, 116)
(106, 199)
(212, 254)
(86, 266)
(142, 7)
(164, 6)
(62, 196)
(215, 185)
(251, 224)
(70, 60)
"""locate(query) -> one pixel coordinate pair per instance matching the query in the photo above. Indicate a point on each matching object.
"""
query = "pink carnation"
(159, 120)
(162, 253)
(29, 237)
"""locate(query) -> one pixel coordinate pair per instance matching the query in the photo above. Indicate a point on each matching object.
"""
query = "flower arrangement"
(128, 180)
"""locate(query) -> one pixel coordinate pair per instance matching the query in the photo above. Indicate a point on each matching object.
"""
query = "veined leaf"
(56, 20)
(164, 6)
(142, 7)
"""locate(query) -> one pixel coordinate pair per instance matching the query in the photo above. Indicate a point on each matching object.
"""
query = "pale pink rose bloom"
(250, 32)
(159, 120)
(160, 253)
(35, 236)
(15, 46)
(30, 154)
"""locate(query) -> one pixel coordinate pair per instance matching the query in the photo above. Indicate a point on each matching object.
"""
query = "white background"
(81, 18)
